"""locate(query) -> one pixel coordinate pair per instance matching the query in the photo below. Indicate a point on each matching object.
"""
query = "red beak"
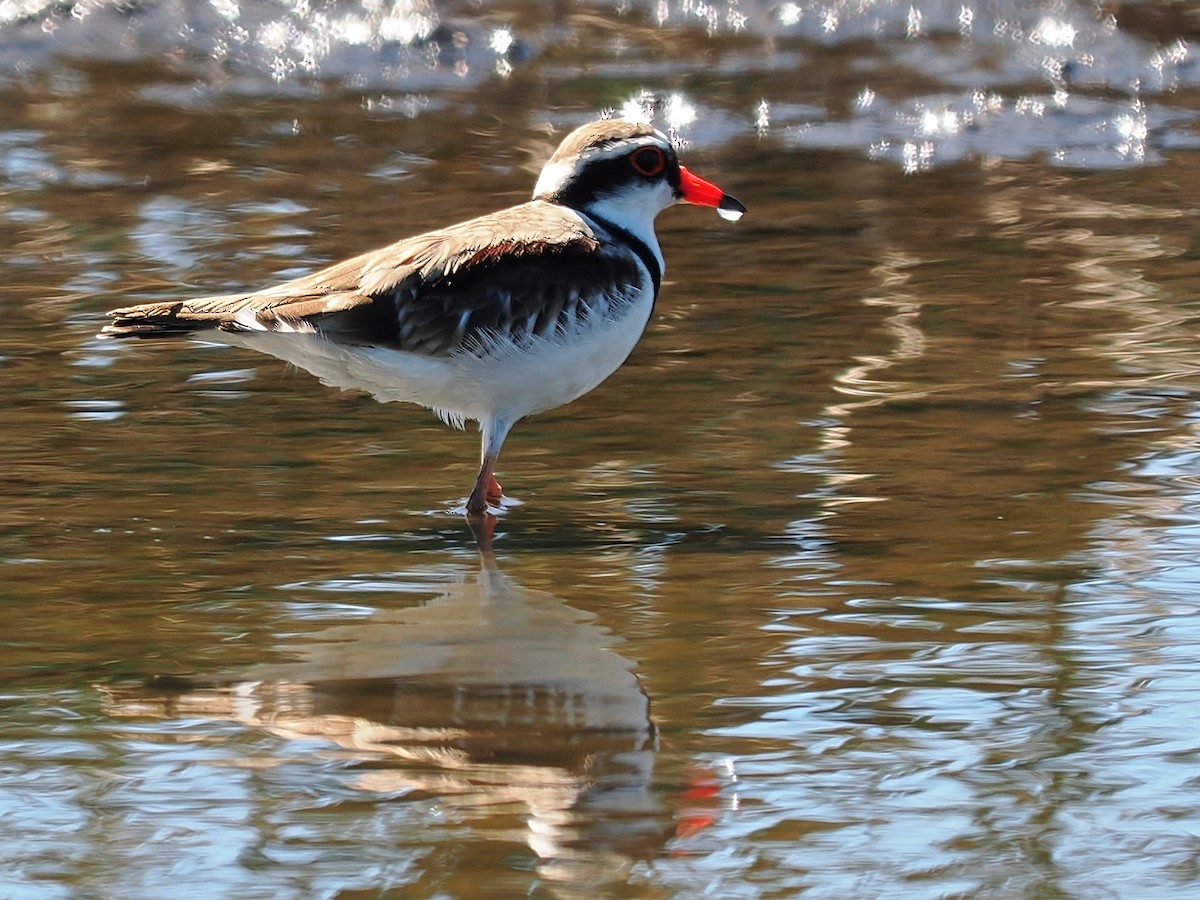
(705, 193)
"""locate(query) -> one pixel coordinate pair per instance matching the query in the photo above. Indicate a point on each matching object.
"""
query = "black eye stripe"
(598, 177)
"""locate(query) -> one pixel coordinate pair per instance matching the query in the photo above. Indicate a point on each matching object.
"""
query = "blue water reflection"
(484, 699)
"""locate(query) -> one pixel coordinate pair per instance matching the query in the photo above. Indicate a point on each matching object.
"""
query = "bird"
(490, 320)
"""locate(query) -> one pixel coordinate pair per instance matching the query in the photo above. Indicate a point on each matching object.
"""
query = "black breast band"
(637, 245)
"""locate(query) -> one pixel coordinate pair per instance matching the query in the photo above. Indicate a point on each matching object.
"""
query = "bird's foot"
(477, 507)
(482, 504)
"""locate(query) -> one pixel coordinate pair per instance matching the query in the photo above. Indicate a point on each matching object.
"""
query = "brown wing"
(526, 267)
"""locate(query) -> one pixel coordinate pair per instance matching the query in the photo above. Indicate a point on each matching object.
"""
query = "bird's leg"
(494, 491)
(477, 503)
(486, 487)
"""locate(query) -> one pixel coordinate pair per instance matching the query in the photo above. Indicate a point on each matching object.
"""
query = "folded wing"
(528, 270)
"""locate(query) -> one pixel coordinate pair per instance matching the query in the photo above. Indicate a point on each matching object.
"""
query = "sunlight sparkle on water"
(353, 30)
(762, 117)
(639, 108)
(678, 112)
(1053, 33)
(917, 157)
(229, 10)
(966, 18)
(987, 103)
(1132, 130)
(407, 23)
(790, 14)
(912, 25)
(501, 40)
(939, 121)
(1030, 106)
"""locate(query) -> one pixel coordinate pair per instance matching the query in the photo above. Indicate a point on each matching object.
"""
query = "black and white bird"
(492, 319)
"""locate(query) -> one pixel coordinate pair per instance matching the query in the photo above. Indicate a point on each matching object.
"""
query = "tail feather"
(272, 310)
(174, 318)
(161, 319)
(149, 320)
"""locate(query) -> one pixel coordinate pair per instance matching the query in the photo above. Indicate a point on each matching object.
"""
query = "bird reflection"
(487, 695)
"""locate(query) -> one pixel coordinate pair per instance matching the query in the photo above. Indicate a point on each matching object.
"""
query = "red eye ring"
(648, 162)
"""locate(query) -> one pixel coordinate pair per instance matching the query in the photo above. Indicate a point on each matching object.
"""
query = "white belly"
(508, 382)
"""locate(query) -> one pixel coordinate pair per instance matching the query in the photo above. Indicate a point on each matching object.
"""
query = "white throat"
(634, 210)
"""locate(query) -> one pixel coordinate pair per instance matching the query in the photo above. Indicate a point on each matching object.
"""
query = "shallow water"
(872, 573)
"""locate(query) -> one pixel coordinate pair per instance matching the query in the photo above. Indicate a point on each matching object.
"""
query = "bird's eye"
(649, 161)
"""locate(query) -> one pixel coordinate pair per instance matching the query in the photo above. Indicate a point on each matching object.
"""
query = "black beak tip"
(730, 208)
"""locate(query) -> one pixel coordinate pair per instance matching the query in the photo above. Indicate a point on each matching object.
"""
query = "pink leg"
(487, 488)
(495, 493)
(477, 503)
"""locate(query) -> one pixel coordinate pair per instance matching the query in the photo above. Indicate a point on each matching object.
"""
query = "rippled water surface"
(872, 573)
